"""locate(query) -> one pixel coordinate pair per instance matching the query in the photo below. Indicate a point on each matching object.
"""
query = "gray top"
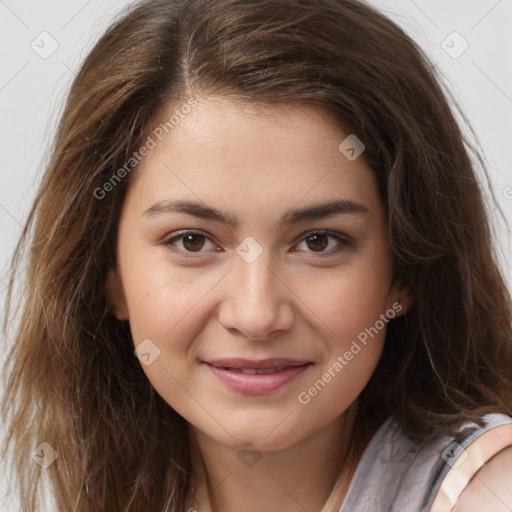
(394, 475)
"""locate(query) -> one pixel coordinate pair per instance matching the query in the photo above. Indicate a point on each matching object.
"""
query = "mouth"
(254, 371)
(257, 377)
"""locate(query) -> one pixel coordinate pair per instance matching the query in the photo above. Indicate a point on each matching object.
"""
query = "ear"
(400, 298)
(116, 302)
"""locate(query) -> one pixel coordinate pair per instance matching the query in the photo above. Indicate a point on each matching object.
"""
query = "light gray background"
(32, 90)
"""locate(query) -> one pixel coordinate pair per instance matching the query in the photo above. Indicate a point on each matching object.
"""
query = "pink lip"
(228, 371)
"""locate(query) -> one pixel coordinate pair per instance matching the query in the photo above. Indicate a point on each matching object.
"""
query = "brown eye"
(193, 242)
(317, 242)
(320, 242)
(189, 242)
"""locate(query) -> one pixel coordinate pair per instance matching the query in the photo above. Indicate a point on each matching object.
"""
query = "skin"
(292, 301)
(490, 488)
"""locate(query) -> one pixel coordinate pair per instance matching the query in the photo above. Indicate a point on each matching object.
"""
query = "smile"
(257, 377)
(255, 371)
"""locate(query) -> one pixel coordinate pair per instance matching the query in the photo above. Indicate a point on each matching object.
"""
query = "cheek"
(355, 315)
(353, 305)
(336, 385)
(162, 299)
(355, 294)
(165, 307)
(350, 302)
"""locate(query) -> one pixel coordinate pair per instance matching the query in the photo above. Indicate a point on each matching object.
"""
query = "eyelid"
(344, 240)
(181, 234)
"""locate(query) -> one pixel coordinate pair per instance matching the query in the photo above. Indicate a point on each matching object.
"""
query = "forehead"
(262, 155)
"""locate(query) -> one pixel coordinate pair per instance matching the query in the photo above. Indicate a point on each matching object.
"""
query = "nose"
(257, 301)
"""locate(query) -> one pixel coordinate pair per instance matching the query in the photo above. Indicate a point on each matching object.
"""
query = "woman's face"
(269, 281)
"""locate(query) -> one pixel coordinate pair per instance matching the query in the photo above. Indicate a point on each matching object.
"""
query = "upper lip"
(261, 364)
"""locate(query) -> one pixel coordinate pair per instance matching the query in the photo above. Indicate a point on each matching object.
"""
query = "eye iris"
(319, 242)
(190, 242)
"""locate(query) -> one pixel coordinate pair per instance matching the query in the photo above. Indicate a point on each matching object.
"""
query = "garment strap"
(462, 459)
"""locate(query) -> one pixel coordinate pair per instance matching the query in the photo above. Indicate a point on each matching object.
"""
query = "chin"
(262, 440)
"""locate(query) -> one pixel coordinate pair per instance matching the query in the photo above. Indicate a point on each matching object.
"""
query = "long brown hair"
(72, 379)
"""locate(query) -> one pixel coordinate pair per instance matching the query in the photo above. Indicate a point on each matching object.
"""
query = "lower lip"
(255, 384)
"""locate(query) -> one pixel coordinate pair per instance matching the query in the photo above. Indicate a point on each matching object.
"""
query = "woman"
(260, 275)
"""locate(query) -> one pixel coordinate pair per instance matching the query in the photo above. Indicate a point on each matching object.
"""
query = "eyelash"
(344, 242)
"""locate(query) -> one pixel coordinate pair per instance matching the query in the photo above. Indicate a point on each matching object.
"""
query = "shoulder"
(490, 488)
(475, 468)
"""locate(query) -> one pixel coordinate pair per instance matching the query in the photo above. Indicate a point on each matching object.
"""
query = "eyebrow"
(292, 216)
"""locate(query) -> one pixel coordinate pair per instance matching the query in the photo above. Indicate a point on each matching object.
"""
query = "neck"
(313, 474)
